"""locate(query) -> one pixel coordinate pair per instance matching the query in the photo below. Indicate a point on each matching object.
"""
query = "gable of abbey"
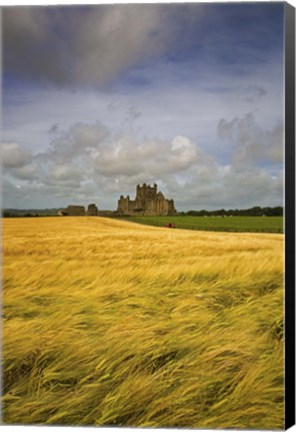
(147, 202)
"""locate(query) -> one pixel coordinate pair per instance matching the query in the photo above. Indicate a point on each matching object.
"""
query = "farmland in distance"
(107, 322)
(215, 223)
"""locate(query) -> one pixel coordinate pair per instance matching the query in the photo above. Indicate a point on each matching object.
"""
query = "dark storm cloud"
(92, 45)
(80, 45)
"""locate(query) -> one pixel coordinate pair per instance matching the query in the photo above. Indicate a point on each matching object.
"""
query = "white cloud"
(89, 164)
(14, 156)
(64, 173)
(252, 144)
(78, 141)
(155, 158)
(26, 172)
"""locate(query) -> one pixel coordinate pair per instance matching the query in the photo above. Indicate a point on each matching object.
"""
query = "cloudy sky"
(97, 99)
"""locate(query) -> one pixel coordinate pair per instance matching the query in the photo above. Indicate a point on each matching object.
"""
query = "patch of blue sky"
(230, 33)
(135, 77)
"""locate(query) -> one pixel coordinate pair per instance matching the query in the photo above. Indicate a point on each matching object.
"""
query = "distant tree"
(7, 214)
(277, 211)
(254, 211)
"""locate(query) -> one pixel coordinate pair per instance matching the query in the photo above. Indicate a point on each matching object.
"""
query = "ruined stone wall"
(171, 207)
(107, 213)
(123, 205)
(128, 206)
(92, 210)
(158, 207)
(73, 210)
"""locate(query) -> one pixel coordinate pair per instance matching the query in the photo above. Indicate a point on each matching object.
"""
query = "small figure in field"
(173, 225)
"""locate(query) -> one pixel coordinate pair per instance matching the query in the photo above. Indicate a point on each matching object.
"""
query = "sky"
(97, 99)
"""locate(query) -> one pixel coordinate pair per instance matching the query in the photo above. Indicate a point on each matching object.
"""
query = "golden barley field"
(111, 323)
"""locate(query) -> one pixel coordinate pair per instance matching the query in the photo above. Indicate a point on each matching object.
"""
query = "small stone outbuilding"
(92, 210)
(74, 210)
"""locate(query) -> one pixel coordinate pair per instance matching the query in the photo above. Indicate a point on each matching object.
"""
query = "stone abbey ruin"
(148, 202)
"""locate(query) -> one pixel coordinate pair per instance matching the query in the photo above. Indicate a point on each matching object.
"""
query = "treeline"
(254, 211)
(16, 215)
(12, 213)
